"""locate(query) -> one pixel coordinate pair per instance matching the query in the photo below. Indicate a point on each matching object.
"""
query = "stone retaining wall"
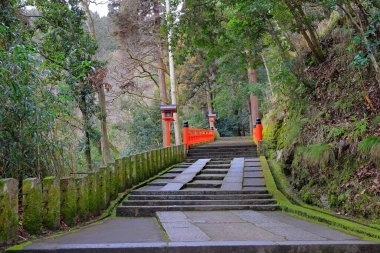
(71, 199)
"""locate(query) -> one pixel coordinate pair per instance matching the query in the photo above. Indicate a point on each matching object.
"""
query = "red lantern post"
(168, 111)
(212, 119)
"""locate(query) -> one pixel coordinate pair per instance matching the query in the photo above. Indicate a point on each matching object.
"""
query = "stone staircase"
(203, 183)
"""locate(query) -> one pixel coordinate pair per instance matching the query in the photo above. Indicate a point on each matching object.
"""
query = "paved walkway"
(218, 231)
(232, 187)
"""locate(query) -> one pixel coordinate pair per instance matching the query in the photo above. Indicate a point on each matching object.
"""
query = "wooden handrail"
(193, 136)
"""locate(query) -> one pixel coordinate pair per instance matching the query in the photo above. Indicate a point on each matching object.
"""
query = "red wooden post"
(258, 130)
(186, 134)
(168, 133)
(168, 111)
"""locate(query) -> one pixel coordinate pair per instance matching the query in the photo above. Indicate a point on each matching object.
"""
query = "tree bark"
(268, 74)
(86, 122)
(161, 66)
(106, 153)
(254, 101)
(173, 86)
(105, 146)
(210, 109)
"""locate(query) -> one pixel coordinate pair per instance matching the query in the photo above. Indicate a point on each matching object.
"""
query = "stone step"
(199, 197)
(169, 175)
(160, 182)
(218, 166)
(197, 192)
(146, 211)
(196, 157)
(219, 161)
(186, 202)
(210, 177)
(221, 154)
(177, 170)
(222, 150)
(204, 184)
(214, 171)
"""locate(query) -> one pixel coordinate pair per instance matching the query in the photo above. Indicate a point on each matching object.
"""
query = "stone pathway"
(206, 204)
(221, 231)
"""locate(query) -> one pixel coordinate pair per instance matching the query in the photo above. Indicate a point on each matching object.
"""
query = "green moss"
(154, 161)
(8, 210)
(144, 166)
(32, 206)
(120, 168)
(113, 181)
(133, 169)
(149, 164)
(18, 247)
(68, 200)
(51, 203)
(313, 214)
(129, 172)
(82, 197)
(288, 134)
(93, 197)
(102, 182)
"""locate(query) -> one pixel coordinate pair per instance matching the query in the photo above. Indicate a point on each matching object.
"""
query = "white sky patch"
(101, 7)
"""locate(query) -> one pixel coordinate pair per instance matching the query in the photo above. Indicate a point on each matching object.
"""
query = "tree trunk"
(106, 154)
(86, 127)
(161, 66)
(210, 109)
(254, 101)
(268, 74)
(173, 85)
(105, 146)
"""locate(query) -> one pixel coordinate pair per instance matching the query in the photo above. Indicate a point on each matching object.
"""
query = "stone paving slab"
(115, 230)
(317, 229)
(257, 226)
(252, 164)
(252, 169)
(256, 159)
(179, 229)
(254, 174)
(234, 178)
(186, 176)
(249, 182)
(253, 188)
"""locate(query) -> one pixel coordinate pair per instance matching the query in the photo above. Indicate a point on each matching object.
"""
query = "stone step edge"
(254, 196)
(222, 207)
(217, 192)
(212, 247)
(198, 202)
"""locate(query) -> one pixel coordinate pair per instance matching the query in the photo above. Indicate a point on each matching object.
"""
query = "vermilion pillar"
(186, 134)
(168, 133)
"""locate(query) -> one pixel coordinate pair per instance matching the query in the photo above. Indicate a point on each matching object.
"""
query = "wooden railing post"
(186, 134)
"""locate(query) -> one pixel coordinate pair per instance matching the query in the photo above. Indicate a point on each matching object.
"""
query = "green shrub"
(370, 148)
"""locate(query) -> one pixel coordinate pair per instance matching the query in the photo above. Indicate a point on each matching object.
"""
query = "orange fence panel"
(193, 136)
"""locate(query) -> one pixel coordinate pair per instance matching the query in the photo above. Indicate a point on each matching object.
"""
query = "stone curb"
(213, 247)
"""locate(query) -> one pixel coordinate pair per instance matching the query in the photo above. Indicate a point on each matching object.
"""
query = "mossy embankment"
(276, 184)
(326, 139)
